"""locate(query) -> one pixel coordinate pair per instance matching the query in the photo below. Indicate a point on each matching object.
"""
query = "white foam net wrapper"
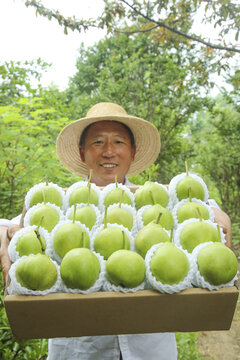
(97, 286)
(101, 227)
(132, 211)
(15, 288)
(179, 229)
(112, 186)
(186, 283)
(14, 254)
(184, 201)
(169, 205)
(29, 213)
(78, 185)
(198, 279)
(173, 185)
(52, 251)
(99, 214)
(38, 186)
(108, 286)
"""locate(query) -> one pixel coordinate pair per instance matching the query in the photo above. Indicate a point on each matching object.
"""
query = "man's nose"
(109, 149)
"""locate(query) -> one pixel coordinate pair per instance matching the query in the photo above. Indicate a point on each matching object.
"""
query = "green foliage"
(26, 147)
(18, 350)
(27, 153)
(16, 79)
(148, 81)
(215, 134)
(187, 347)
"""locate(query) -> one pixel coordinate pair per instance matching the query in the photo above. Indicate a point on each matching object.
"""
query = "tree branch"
(135, 31)
(73, 24)
(190, 37)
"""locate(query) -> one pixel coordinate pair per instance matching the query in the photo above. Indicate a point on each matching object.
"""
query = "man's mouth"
(108, 165)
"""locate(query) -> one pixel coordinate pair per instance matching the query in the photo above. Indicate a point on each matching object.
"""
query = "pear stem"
(150, 174)
(89, 178)
(74, 213)
(171, 235)
(44, 197)
(158, 218)
(105, 218)
(40, 223)
(186, 166)
(152, 197)
(46, 179)
(38, 235)
(116, 183)
(89, 191)
(199, 213)
(121, 198)
(190, 194)
(124, 241)
(219, 232)
(84, 239)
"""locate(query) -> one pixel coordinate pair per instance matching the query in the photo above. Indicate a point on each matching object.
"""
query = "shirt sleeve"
(14, 221)
(212, 203)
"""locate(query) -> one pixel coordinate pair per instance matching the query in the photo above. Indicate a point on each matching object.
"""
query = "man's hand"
(6, 233)
(223, 220)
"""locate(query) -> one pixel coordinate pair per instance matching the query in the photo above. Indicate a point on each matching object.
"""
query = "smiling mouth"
(109, 165)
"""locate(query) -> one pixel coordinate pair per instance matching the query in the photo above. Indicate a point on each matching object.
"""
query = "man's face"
(108, 152)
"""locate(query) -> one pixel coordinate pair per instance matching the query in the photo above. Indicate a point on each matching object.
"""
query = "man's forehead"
(107, 126)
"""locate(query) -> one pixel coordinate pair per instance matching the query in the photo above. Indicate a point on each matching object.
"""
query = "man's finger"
(4, 257)
(12, 230)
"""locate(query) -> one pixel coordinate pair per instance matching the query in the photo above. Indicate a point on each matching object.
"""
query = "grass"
(187, 346)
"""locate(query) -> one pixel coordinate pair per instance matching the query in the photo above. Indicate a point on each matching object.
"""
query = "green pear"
(125, 268)
(69, 236)
(84, 194)
(86, 215)
(113, 197)
(217, 264)
(191, 209)
(109, 240)
(151, 193)
(185, 184)
(120, 216)
(169, 265)
(49, 214)
(151, 234)
(81, 194)
(117, 195)
(189, 182)
(196, 233)
(152, 212)
(29, 243)
(80, 269)
(36, 272)
(46, 193)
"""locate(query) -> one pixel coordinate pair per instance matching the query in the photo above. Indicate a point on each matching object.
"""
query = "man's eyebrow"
(102, 134)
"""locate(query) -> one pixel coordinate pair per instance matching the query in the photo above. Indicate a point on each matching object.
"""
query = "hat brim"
(146, 136)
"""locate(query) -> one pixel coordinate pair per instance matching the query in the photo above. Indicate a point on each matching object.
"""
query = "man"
(111, 143)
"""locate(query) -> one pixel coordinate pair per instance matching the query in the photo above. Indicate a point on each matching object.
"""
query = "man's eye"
(97, 142)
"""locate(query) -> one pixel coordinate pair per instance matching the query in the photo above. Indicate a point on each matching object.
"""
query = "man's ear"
(133, 152)
(81, 152)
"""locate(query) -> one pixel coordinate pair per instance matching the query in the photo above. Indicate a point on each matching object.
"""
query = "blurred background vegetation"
(153, 73)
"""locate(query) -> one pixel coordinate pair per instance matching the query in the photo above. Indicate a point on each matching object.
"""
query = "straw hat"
(146, 136)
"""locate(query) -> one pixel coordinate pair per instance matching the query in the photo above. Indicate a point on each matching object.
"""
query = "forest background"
(157, 70)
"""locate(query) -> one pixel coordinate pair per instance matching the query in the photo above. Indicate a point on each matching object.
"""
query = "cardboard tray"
(105, 313)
